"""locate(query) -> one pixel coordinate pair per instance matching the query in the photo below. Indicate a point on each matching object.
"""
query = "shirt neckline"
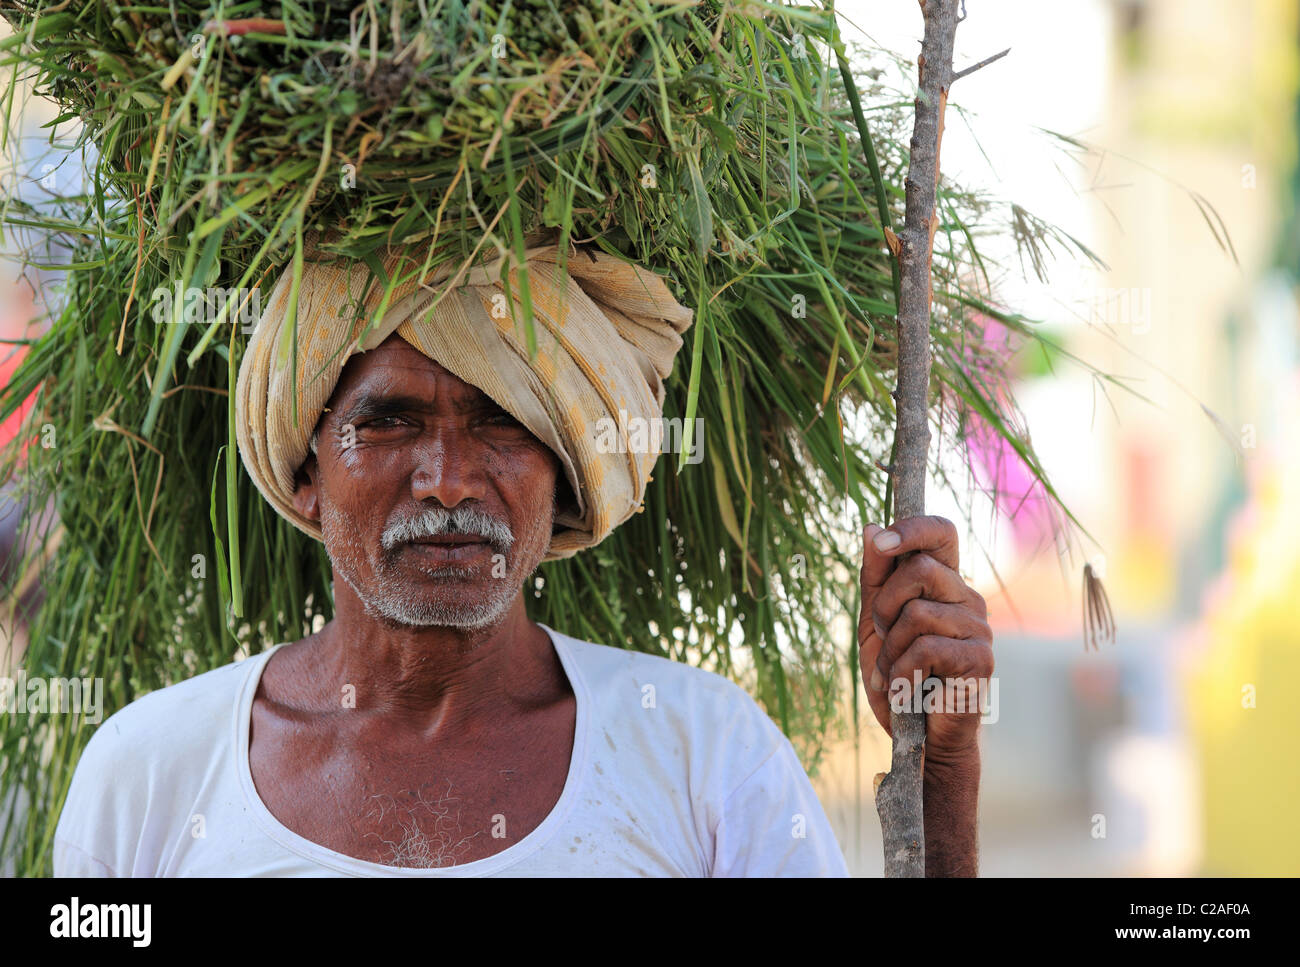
(341, 862)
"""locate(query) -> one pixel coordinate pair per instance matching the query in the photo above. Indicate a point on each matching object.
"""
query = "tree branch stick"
(984, 63)
(899, 792)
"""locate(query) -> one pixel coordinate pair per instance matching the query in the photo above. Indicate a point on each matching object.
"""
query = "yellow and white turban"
(609, 351)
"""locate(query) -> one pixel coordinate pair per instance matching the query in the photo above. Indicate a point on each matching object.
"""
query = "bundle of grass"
(724, 146)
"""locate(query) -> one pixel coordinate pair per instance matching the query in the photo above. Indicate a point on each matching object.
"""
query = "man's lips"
(449, 548)
(450, 540)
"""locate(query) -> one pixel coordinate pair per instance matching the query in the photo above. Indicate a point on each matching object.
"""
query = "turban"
(606, 334)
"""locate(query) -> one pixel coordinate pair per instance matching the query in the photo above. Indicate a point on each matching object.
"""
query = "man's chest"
(413, 805)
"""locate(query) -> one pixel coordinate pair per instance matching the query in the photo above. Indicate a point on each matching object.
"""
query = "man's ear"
(306, 499)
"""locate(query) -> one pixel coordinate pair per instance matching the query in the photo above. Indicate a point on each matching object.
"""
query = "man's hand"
(920, 614)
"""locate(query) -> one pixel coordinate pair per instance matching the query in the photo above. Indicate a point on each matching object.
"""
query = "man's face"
(435, 503)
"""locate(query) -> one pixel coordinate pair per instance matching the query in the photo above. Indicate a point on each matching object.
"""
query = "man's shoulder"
(686, 738)
(171, 719)
(609, 663)
(140, 774)
(687, 696)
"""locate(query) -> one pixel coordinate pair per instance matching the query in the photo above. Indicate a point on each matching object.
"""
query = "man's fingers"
(936, 536)
(921, 617)
(920, 576)
(876, 566)
(946, 658)
(888, 587)
(869, 645)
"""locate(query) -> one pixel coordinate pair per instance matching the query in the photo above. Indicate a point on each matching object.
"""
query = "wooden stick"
(899, 799)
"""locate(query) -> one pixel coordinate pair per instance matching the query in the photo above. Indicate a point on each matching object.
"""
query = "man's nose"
(446, 467)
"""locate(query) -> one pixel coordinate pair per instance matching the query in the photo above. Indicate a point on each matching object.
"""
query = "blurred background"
(40, 170)
(1172, 751)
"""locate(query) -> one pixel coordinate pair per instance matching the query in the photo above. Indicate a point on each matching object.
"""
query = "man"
(431, 728)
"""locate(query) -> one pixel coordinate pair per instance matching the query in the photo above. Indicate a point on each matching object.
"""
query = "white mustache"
(436, 521)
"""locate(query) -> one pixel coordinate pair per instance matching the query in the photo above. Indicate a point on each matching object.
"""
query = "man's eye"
(382, 422)
(502, 419)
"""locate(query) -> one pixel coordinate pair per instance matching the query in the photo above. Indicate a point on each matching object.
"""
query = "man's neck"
(433, 679)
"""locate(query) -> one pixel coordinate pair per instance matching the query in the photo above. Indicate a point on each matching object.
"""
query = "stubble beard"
(390, 599)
